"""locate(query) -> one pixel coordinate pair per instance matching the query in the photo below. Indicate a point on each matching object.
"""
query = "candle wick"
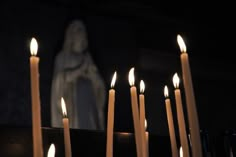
(65, 116)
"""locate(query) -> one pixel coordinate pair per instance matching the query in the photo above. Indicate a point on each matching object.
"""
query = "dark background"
(123, 34)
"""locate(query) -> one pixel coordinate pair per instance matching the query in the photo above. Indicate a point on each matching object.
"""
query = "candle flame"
(33, 47)
(145, 124)
(176, 80)
(166, 92)
(51, 150)
(142, 86)
(181, 43)
(113, 81)
(180, 151)
(131, 77)
(63, 106)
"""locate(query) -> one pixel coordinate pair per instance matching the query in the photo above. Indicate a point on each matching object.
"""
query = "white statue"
(77, 79)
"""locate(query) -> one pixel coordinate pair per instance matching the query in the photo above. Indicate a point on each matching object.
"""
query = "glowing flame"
(181, 43)
(166, 93)
(131, 77)
(142, 86)
(113, 81)
(145, 124)
(63, 106)
(176, 80)
(51, 150)
(33, 47)
(180, 152)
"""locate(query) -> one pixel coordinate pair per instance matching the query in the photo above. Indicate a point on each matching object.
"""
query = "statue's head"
(75, 37)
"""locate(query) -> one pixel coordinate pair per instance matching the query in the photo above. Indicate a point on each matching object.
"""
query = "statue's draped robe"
(83, 92)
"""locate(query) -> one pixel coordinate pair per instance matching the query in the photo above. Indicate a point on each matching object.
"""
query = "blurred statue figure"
(77, 79)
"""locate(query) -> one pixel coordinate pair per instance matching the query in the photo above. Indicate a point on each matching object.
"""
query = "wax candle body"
(147, 143)
(67, 142)
(174, 148)
(36, 109)
(181, 122)
(142, 124)
(137, 128)
(110, 123)
(191, 107)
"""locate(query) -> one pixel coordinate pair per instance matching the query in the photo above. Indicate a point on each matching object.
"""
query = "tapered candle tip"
(33, 47)
(181, 43)
(166, 92)
(51, 150)
(145, 124)
(131, 77)
(176, 80)
(113, 81)
(181, 152)
(142, 86)
(63, 106)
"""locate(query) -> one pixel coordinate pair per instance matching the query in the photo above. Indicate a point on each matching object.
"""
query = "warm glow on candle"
(166, 93)
(146, 139)
(180, 152)
(135, 113)
(131, 77)
(181, 43)
(174, 149)
(110, 118)
(142, 118)
(190, 102)
(35, 99)
(51, 150)
(113, 81)
(33, 47)
(176, 80)
(63, 106)
(66, 127)
(142, 86)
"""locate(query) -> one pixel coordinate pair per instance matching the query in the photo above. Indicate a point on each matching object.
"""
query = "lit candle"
(142, 117)
(110, 118)
(180, 117)
(147, 138)
(170, 123)
(180, 152)
(135, 112)
(190, 101)
(66, 130)
(35, 99)
(51, 151)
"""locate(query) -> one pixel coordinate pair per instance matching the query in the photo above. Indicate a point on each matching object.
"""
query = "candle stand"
(17, 142)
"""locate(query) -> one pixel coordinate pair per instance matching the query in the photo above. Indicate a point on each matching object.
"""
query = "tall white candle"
(142, 117)
(180, 116)
(147, 138)
(136, 121)
(110, 118)
(35, 98)
(174, 148)
(190, 101)
(51, 151)
(66, 126)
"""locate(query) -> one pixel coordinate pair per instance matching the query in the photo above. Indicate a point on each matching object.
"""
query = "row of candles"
(138, 112)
